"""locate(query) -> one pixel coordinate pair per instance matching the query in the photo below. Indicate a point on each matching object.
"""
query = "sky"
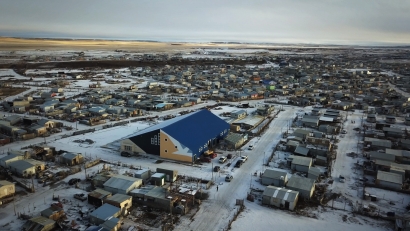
(362, 22)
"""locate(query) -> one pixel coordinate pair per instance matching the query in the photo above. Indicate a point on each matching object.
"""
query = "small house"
(158, 179)
(98, 196)
(103, 213)
(124, 202)
(390, 119)
(170, 175)
(274, 177)
(304, 186)
(53, 213)
(389, 180)
(39, 224)
(371, 118)
(71, 159)
(314, 173)
(143, 174)
(122, 184)
(300, 163)
(280, 197)
(6, 189)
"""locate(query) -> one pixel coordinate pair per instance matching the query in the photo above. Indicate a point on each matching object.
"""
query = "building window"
(166, 139)
(155, 140)
(166, 150)
(127, 148)
(176, 147)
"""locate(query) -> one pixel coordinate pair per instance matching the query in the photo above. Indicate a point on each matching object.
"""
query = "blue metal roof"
(196, 129)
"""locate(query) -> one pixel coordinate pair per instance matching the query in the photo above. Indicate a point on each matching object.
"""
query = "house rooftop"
(274, 174)
(105, 211)
(300, 160)
(119, 198)
(301, 183)
(121, 182)
(389, 177)
(281, 193)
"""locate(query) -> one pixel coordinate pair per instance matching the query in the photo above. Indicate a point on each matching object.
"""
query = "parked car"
(244, 158)
(73, 181)
(222, 159)
(126, 154)
(250, 147)
(217, 169)
(213, 155)
(206, 159)
(229, 156)
(344, 131)
(341, 179)
(238, 163)
(80, 196)
(228, 178)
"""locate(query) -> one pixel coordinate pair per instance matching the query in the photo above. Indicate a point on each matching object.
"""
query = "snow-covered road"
(215, 213)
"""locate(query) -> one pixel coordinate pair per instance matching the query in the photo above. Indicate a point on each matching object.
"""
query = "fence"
(83, 131)
(92, 163)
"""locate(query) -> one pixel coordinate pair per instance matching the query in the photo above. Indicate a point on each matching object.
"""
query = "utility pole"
(212, 170)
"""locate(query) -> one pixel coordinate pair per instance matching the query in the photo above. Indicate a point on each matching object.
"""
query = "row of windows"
(127, 148)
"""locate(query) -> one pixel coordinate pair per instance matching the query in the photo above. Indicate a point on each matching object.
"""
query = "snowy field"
(258, 217)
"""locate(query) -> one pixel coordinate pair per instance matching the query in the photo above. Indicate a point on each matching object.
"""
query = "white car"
(250, 147)
(222, 159)
(344, 131)
(244, 158)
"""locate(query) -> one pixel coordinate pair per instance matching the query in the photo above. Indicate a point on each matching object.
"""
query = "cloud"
(315, 21)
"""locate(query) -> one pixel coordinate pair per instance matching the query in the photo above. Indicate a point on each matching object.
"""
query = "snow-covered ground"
(258, 217)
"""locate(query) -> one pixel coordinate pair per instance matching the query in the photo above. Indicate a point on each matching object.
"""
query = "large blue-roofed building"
(184, 138)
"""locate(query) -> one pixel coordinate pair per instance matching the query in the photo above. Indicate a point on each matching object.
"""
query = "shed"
(22, 168)
(234, 140)
(124, 202)
(314, 173)
(71, 159)
(302, 151)
(6, 188)
(103, 213)
(274, 177)
(54, 213)
(300, 163)
(143, 174)
(304, 186)
(280, 197)
(389, 180)
(112, 224)
(158, 179)
(122, 184)
(170, 175)
(98, 196)
(39, 224)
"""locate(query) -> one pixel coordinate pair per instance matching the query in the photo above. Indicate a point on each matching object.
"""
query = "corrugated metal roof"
(99, 193)
(274, 174)
(281, 193)
(302, 183)
(390, 177)
(105, 211)
(21, 165)
(5, 182)
(394, 152)
(119, 198)
(69, 155)
(300, 160)
(302, 151)
(233, 138)
(121, 182)
(382, 156)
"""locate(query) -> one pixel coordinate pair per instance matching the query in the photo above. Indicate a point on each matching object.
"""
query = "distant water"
(47, 35)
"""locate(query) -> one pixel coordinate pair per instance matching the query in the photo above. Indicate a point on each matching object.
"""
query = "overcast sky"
(284, 21)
